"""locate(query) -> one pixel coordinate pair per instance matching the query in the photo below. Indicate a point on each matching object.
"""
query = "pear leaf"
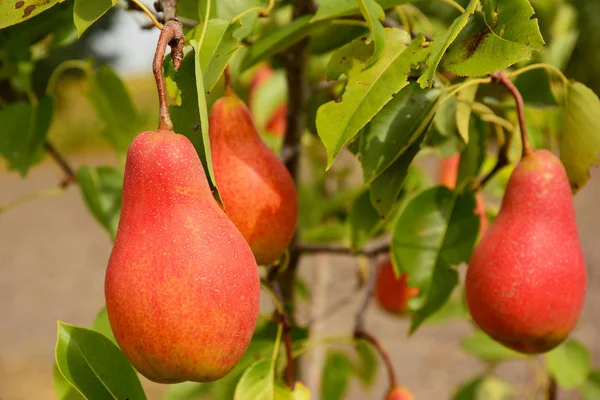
(13, 12)
(86, 12)
(570, 363)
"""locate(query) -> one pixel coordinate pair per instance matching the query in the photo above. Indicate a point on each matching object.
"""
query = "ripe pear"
(257, 190)
(182, 286)
(392, 293)
(448, 173)
(526, 280)
(399, 393)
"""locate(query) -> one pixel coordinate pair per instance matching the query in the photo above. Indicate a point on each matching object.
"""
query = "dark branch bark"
(70, 176)
(169, 9)
(336, 249)
(362, 309)
(385, 356)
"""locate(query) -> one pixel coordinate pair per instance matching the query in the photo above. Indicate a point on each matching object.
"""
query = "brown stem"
(227, 76)
(172, 35)
(169, 9)
(336, 249)
(387, 361)
(282, 318)
(500, 77)
(70, 176)
(187, 22)
(501, 162)
(552, 392)
(362, 309)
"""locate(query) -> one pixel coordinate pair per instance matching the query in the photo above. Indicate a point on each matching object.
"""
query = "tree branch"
(501, 78)
(501, 162)
(552, 392)
(336, 249)
(168, 8)
(70, 176)
(187, 22)
(385, 356)
(362, 309)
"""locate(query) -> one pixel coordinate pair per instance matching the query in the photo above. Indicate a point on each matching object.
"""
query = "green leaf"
(590, 389)
(94, 365)
(368, 363)
(483, 387)
(580, 138)
(536, 88)
(14, 12)
(484, 347)
(102, 325)
(191, 117)
(506, 34)
(442, 41)
(267, 97)
(257, 382)
(101, 189)
(435, 232)
(218, 47)
(62, 388)
(373, 14)
(464, 101)
(24, 130)
(570, 363)
(399, 124)
(339, 8)
(300, 392)
(367, 90)
(473, 155)
(114, 107)
(187, 391)
(279, 40)
(363, 221)
(336, 376)
(86, 12)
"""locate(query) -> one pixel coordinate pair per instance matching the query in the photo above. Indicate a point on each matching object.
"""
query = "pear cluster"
(182, 286)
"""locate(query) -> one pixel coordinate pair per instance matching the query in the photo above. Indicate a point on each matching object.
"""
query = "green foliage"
(14, 12)
(86, 12)
(570, 363)
(337, 371)
(482, 346)
(484, 387)
(94, 366)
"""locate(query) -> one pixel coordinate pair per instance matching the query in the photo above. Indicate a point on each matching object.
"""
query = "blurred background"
(53, 254)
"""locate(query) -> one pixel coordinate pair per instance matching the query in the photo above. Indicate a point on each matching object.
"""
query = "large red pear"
(526, 279)
(182, 286)
(258, 192)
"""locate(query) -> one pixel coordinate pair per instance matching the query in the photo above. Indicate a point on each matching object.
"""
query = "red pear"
(393, 293)
(399, 393)
(258, 192)
(448, 173)
(526, 280)
(182, 286)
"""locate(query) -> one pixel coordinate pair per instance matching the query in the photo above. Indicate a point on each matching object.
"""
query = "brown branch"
(70, 176)
(552, 392)
(385, 356)
(282, 318)
(187, 22)
(336, 249)
(501, 78)
(172, 35)
(362, 309)
(169, 9)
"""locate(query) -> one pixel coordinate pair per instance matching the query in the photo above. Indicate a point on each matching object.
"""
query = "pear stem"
(227, 76)
(500, 77)
(70, 176)
(172, 35)
(385, 356)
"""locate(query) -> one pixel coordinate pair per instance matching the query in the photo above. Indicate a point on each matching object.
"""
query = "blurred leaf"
(442, 41)
(483, 388)
(339, 8)
(570, 363)
(363, 221)
(329, 37)
(435, 232)
(102, 325)
(336, 376)
(101, 189)
(327, 232)
(590, 389)
(484, 347)
(114, 107)
(267, 97)
(86, 12)
(395, 127)
(507, 33)
(464, 100)
(13, 12)
(473, 155)
(24, 130)
(373, 14)
(455, 308)
(257, 382)
(536, 88)
(187, 391)
(302, 290)
(367, 90)
(94, 365)
(300, 392)
(62, 388)
(368, 363)
(279, 40)
(580, 136)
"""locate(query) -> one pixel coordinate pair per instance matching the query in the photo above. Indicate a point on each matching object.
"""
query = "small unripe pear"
(393, 293)
(399, 393)
(526, 280)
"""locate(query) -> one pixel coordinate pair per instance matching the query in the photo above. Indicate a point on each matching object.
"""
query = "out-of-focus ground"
(53, 256)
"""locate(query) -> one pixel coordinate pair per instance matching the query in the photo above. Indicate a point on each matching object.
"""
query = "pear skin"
(526, 280)
(392, 293)
(257, 190)
(399, 393)
(182, 286)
